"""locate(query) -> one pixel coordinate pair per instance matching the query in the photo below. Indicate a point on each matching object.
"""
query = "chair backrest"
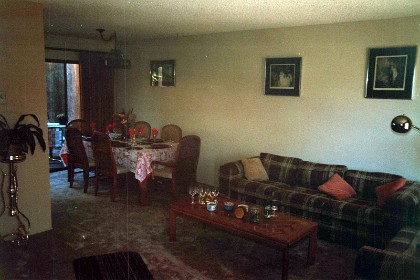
(81, 125)
(77, 152)
(146, 129)
(171, 132)
(104, 158)
(187, 155)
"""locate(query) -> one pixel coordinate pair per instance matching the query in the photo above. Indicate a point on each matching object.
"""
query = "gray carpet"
(87, 225)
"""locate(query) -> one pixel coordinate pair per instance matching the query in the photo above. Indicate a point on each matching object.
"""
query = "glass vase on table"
(132, 134)
(133, 141)
(274, 207)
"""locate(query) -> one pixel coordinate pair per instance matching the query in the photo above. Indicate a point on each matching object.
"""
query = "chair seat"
(165, 172)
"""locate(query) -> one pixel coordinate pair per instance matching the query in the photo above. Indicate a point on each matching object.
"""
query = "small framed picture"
(282, 76)
(390, 73)
(162, 73)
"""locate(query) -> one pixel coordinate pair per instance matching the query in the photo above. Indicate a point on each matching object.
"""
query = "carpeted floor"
(86, 225)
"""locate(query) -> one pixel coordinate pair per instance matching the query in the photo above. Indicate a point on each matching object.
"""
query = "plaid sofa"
(355, 222)
(399, 260)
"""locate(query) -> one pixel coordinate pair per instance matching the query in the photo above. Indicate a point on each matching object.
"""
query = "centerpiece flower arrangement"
(122, 122)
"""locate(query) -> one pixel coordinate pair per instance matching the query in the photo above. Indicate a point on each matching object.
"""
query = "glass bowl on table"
(228, 205)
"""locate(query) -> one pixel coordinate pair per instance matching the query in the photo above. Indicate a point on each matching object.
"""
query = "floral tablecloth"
(138, 161)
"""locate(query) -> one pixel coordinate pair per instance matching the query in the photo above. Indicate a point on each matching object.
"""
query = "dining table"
(136, 156)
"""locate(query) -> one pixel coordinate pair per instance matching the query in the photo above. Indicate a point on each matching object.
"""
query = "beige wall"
(22, 77)
(219, 95)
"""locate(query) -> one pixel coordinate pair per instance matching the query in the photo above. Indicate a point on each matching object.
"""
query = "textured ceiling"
(134, 20)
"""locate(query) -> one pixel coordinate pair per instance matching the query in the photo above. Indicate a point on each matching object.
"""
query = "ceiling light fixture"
(115, 58)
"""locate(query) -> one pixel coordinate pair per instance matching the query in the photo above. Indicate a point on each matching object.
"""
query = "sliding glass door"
(63, 91)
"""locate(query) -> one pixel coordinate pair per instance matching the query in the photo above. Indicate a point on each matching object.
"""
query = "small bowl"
(228, 205)
(211, 206)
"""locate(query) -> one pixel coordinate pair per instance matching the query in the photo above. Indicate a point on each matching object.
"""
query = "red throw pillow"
(383, 192)
(337, 187)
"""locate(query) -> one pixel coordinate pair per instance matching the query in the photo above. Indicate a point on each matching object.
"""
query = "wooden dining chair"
(81, 125)
(171, 132)
(146, 129)
(105, 162)
(183, 170)
(77, 157)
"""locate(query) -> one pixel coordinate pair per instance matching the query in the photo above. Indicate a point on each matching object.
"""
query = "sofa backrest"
(279, 168)
(365, 182)
(312, 175)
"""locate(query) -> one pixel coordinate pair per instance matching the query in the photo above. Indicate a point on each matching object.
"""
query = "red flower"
(109, 127)
(132, 132)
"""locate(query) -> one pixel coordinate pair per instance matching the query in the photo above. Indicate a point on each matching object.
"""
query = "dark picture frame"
(390, 72)
(282, 76)
(162, 73)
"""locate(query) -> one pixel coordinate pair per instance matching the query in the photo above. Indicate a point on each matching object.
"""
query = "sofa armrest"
(374, 263)
(404, 205)
(229, 172)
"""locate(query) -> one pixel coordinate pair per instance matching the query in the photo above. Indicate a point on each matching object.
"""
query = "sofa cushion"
(254, 170)
(279, 168)
(337, 188)
(365, 182)
(383, 192)
(312, 174)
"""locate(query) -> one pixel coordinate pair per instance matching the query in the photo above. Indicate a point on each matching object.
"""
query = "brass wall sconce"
(402, 124)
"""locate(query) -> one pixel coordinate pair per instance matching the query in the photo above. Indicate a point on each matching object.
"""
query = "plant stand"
(23, 228)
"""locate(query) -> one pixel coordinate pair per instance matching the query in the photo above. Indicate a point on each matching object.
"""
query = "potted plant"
(20, 139)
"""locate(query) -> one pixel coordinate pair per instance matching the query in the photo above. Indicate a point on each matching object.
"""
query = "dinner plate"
(118, 144)
(160, 146)
(150, 141)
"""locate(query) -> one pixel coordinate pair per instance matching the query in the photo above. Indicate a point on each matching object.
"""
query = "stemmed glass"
(192, 191)
(201, 192)
(133, 141)
(274, 207)
(214, 192)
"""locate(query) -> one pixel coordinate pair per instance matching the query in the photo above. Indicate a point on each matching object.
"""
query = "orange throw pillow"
(385, 191)
(337, 187)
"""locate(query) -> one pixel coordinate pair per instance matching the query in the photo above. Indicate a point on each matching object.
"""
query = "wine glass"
(200, 191)
(214, 193)
(274, 207)
(192, 191)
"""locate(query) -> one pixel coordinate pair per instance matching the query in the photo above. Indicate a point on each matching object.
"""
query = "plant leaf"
(40, 139)
(4, 123)
(22, 117)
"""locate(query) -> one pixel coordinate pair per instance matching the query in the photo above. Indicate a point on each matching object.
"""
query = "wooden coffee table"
(282, 232)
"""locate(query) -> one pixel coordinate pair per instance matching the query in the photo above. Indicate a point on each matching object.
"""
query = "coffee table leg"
(312, 247)
(285, 268)
(172, 225)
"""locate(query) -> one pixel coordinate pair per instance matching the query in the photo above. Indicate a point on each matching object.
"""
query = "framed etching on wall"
(282, 76)
(162, 73)
(390, 72)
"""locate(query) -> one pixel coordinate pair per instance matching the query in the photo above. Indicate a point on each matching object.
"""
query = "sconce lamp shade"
(402, 124)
